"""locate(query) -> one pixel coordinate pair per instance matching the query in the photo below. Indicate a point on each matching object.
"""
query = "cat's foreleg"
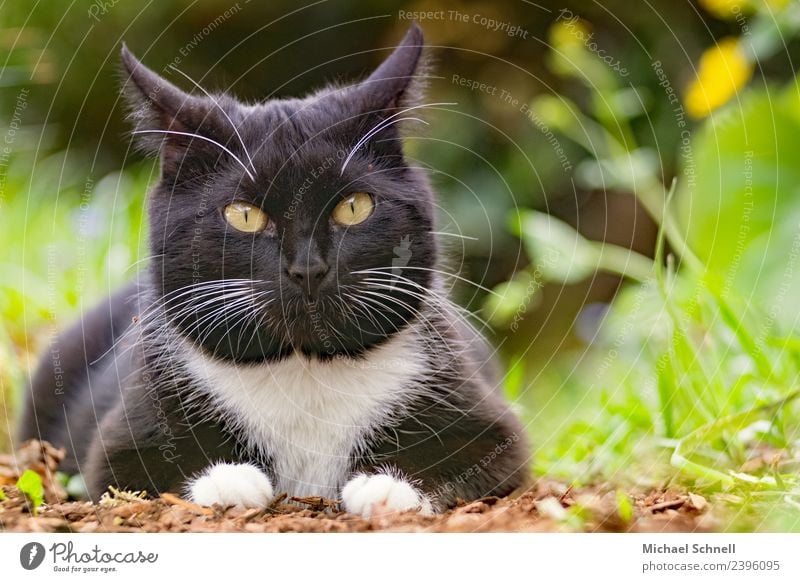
(383, 492)
(239, 484)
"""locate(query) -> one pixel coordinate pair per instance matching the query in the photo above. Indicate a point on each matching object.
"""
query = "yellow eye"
(354, 209)
(246, 217)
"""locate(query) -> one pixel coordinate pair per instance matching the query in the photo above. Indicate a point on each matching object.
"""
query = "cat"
(292, 332)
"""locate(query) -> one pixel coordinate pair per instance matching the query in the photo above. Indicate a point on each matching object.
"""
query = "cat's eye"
(246, 217)
(354, 209)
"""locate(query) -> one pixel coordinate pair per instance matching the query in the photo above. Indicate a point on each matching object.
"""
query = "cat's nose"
(308, 274)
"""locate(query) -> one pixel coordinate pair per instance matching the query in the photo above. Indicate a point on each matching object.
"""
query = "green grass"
(678, 391)
(691, 378)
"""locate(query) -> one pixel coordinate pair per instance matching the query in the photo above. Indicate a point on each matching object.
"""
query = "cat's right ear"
(161, 112)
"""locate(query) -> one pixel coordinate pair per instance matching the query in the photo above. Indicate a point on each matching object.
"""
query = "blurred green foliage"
(742, 212)
(691, 373)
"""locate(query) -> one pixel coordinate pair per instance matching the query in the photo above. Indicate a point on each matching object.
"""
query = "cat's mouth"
(315, 325)
(334, 325)
(331, 324)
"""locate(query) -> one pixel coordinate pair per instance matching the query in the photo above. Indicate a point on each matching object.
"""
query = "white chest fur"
(310, 417)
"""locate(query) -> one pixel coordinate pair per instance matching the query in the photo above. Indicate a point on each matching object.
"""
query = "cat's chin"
(322, 346)
(272, 345)
(308, 351)
(316, 332)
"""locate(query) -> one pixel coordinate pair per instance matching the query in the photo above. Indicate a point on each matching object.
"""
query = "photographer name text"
(688, 549)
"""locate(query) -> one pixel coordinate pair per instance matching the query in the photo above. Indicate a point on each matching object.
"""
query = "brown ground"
(547, 506)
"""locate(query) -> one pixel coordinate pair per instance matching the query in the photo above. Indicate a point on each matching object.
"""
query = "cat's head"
(292, 224)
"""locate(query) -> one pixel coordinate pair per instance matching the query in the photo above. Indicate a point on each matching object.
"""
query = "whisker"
(142, 260)
(364, 309)
(453, 234)
(383, 125)
(377, 306)
(193, 135)
(404, 305)
(244, 311)
(233, 125)
(424, 294)
(167, 303)
(459, 277)
(192, 308)
(208, 323)
(257, 317)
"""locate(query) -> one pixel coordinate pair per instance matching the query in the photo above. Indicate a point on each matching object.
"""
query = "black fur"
(129, 418)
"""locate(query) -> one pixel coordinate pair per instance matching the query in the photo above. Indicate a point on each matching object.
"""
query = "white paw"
(232, 484)
(369, 495)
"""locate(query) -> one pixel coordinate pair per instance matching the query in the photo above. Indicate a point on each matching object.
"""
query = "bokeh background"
(621, 185)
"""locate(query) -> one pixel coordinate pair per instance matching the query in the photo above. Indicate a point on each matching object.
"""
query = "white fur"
(309, 417)
(368, 495)
(232, 484)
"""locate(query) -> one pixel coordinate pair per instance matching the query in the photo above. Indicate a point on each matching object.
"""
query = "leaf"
(62, 478)
(624, 506)
(2, 495)
(76, 487)
(562, 255)
(694, 440)
(30, 483)
(515, 379)
(511, 299)
(555, 112)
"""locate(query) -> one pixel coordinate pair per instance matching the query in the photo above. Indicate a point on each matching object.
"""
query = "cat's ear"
(399, 81)
(162, 113)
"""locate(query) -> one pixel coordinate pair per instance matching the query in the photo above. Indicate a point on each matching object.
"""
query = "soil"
(545, 507)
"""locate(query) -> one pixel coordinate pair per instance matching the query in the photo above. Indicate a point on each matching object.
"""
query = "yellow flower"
(728, 9)
(723, 70)
(569, 32)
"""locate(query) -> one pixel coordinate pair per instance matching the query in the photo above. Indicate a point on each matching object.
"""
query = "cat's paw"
(237, 484)
(371, 495)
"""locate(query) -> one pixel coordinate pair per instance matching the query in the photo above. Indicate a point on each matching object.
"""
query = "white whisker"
(461, 236)
(459, 277)
(383, 125)
(233, 125)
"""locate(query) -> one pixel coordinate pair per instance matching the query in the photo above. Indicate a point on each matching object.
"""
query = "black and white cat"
(292, 333)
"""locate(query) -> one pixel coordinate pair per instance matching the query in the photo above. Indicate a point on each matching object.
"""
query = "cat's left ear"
(166, 117)
(399, 81)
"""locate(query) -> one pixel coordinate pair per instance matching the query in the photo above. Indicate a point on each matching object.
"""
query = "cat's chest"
(311, 417)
